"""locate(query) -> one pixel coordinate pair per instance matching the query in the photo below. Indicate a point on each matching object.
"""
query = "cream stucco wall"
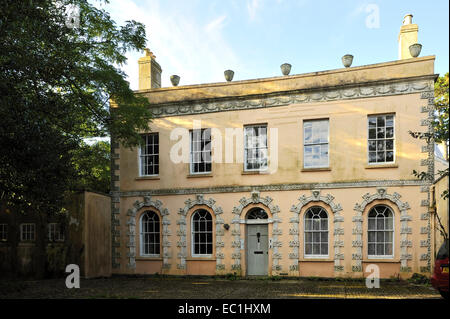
(402, 88)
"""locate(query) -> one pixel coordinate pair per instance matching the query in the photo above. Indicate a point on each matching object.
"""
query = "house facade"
(295, 175)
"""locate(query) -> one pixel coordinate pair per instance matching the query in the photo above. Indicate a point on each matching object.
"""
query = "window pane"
(389, 144)
(371, 236)
(316, 249)
(380, 157)
(324, 237)
(389, 156)
(380, 249)
(324, 224)
(380, 121)
(380, 132)
(308, 237)
(389, 120)
(380, 236)
(388, 249)
(316, 237)
(316, 224)
(308, 249)
(371, 249)
(372, 133)
(324, 249)
(372, 145)
(389, 132)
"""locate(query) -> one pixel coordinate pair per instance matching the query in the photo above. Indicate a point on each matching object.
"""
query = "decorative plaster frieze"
(273, 187)
(366, 90)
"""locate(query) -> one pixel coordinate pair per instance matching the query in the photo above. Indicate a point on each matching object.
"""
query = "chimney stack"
(149, 71)
(407, 37)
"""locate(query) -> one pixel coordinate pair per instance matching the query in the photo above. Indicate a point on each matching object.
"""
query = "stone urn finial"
(415, 49)
(229, 75)
(285, 68)
(347, 60)
(175, 79)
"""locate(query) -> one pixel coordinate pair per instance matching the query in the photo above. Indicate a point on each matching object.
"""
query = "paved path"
(213, 288)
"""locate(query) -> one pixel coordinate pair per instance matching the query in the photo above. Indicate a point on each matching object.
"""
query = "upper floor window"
(316, 232)
(315, 144)
(202, 234)
(255, 147)
(381, 139)
(150, 234)
(55, 232)
(380, 232)
(27, 232)
(149, 155)
(3, 232)
(200, 151)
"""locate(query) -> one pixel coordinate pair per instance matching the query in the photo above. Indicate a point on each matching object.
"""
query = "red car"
(439, 280)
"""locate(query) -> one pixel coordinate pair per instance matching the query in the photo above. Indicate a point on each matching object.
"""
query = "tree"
(92, 166)
(56, 82)
(440, 127)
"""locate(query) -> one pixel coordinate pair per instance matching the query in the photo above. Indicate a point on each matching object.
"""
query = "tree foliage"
(56, 82)
(92, 166)
(440, 123)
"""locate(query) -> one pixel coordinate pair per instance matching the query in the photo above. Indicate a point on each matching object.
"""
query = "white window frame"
(376, 139)
(55, 228)
(393, 235)
(313, 144)
(140, 156)
(141, 232)
(30, 230)
(191, 162)
(3, 232)
(312, 231)
(193, 254)
(260, 169)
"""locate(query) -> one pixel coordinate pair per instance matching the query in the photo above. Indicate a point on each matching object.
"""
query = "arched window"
(316, 232)
(257, 213)
(150, 234)
(380, 232)
(202, 234)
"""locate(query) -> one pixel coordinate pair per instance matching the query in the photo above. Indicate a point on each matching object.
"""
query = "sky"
(200, 39)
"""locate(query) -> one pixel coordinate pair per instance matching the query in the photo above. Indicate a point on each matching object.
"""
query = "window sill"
(316, 169)
(149, 259)
(200, 259)
(143, 178)
(199, 175)
(254, 172)
(27, 243)
(382, 166)
(313, 259)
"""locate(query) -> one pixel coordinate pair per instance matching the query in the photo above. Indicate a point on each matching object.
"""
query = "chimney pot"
(407, 19)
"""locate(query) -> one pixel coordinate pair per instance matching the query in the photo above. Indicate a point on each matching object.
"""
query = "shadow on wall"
(81, 236)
